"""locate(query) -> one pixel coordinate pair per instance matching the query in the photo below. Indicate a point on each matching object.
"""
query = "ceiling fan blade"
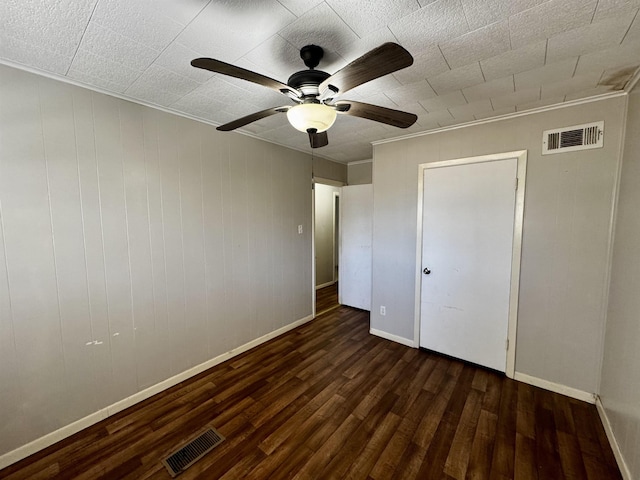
(387, 58)
(317, 140)
(241, 122)
(244, 74)
(389, 116)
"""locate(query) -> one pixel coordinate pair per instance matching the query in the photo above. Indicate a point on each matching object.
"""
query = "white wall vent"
(569, 139)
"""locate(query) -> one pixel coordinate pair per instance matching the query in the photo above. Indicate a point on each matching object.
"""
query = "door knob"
(426, 271)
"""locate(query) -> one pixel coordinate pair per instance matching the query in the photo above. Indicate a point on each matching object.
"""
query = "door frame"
(337, 245)
(516, 255)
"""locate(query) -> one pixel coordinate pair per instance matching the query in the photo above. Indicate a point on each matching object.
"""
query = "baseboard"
(328, 284)
(556, 387)
(393, 338)
(93, 418)
(41, 443)
(622, 465)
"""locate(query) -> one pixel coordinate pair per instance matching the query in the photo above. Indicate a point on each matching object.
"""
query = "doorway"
(326, 244)
(470, 231)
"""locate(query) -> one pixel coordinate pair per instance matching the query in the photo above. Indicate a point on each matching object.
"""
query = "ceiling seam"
(342, 20)
(443, 57)
(86, 27)
(482, 71)
(161, 51)
(289, 10)
(594, 11)
(635, 17)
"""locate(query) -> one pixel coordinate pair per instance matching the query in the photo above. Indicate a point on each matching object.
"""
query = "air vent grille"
(193, 451)
(579, 137)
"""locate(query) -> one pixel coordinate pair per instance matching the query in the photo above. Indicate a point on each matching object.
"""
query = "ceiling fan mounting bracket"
(311, 54)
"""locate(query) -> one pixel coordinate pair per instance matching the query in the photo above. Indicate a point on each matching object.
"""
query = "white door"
(467, 244)
(356, 233)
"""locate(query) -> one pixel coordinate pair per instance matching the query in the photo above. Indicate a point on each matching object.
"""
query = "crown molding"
(360, 162)
(633, 81)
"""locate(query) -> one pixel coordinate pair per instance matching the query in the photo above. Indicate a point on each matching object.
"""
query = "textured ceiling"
(474, 59)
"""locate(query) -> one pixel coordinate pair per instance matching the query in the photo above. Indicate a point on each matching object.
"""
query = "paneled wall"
(620, 384)
(326, 169)
(566, 237)
(360, 173)
(134, 245)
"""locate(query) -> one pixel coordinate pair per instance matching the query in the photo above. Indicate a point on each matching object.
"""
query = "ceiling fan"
(314, 91)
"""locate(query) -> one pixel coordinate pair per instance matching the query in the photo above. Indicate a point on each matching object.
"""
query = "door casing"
(521, 156)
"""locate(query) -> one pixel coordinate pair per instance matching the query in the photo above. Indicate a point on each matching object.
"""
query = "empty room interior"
(320, 239)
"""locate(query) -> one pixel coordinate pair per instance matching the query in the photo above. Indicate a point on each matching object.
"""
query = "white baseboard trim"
(393, 338)
(622, 465)
(93, 418)
(318, 287)
(41, 443)
(556, 387)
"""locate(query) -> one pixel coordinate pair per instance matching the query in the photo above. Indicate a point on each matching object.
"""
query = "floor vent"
(579, 137)
(193, 451)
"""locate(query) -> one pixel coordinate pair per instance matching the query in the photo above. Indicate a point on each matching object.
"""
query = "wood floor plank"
(389, 462)
(431, 421)
(296, 440)
(329, 449)
(457, 460)
(549, 463)
(379, 437)
(435, 461)
(525, 418)
(479, 466)
(525, 461)
(329, 400)
(480, 380)
(354, 445)
(409, 385)
(563, 415)
(570, 456)
(504, 447)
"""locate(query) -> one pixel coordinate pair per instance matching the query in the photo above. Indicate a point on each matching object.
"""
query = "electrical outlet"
(299, 229)
(383, 310)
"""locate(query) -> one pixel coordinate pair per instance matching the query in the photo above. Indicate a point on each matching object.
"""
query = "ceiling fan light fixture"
(311, 116)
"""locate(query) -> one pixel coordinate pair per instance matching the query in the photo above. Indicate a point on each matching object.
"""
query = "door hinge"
(516, 183)
(506, 342)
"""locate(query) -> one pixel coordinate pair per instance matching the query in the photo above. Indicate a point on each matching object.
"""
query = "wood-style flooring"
(326, 299)
(329, 400)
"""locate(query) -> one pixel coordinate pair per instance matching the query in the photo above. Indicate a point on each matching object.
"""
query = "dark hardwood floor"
(326, 299)
(329, 400)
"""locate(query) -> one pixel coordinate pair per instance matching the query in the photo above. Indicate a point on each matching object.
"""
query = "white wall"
(620, 384)
(134, 244)
(356, 217)
(565, 250)
(324, 233)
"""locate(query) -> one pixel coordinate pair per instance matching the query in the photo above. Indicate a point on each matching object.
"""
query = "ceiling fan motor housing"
(307, 81)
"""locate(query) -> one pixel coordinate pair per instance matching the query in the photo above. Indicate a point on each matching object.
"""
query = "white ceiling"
(474, 59)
